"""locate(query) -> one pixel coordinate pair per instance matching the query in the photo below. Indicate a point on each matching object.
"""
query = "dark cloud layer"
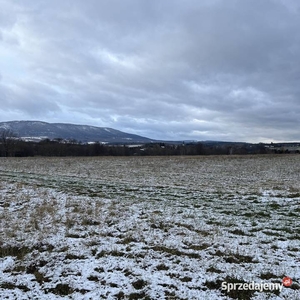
(214, 69)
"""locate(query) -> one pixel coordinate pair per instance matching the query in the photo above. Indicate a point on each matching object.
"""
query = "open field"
(148, 227)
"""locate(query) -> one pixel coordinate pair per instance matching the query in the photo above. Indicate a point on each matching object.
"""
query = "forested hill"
(36, 130)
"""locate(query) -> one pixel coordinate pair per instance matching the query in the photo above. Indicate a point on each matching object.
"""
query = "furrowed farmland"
(149, 227)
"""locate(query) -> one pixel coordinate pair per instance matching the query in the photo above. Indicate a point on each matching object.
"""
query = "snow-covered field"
(148, 227)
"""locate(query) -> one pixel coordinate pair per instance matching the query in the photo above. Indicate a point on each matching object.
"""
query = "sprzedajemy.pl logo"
(255, 286)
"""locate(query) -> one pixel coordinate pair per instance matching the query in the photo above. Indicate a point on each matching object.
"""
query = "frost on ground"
(148, 227)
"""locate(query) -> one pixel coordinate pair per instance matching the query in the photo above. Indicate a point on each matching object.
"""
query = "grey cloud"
(201, 70)
(31, 100)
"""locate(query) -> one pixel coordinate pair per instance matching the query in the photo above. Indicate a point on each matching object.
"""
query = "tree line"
(11, 146)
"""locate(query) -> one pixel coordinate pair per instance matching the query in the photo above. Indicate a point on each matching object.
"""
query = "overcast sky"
(165, 69)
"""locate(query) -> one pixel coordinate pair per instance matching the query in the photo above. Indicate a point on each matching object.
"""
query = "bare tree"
(8, 142)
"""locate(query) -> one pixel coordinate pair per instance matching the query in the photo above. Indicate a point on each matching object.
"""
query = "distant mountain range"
(37, 130)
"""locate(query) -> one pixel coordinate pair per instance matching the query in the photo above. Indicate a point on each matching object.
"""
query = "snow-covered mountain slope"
(84, 133)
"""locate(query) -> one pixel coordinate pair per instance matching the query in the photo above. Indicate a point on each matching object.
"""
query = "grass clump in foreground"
(18, 252)
(61, 289)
